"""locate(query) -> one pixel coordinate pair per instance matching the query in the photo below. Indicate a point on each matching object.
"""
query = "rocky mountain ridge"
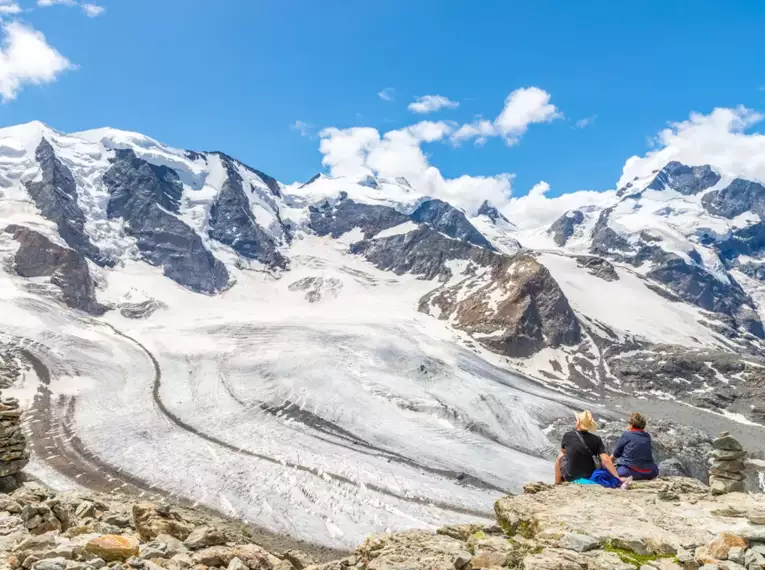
(686, 239)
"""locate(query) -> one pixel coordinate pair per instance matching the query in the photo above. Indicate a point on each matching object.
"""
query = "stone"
(299, 559)
(112, 548)
(50, 564)
(429, 550)
(723, 542)
(462, 560)
(756, 518)
(578, 542)
(460, 531)
(204, 536)
(151, 521)
(724, 486)
(730, 475)
(39, 519)
(213, 556)
(96, 563)
(536, 487)
(733, 465)
(8, 504)
(727, 455)
(237, 564)
(86, 509)
(119, 520)
(736, 554)
(36, 543)
(486, 559)
(29, 561)
(727, 443)
(252, 555)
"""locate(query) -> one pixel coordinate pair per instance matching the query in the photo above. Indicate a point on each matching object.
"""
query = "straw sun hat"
(586, 421)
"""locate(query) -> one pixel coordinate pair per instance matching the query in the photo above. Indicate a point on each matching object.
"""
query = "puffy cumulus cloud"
(479, 130)
(719, 139)
(27, 58)
(90, 10)
(524, 107)
(359, 151)
(8, 8)
(431, 103)
(387, 94)
(536, 210)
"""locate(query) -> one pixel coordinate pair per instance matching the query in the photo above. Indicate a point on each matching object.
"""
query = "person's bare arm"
(608, 465)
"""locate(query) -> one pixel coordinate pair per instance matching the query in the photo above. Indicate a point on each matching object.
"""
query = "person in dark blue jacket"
(633, 454)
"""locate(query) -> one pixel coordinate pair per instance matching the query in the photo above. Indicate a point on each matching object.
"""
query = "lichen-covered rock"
(151, 521)
(112, 548)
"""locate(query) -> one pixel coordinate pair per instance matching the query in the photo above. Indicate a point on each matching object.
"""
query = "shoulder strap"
(581, 438)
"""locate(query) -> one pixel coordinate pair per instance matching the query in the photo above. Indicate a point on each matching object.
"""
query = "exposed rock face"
(598, 267)
(739, 197)
(448, 220)
(606, 242)
(423, 252)
(345, 215)
(514, 307)
(316, 288)
(492, 213)
(38, 256)
(144, 195)
(563, 228)
(687, 180)
(231, 222)
(142, 310)
(56, 197)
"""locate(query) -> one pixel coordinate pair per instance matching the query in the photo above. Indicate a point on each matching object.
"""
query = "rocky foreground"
(670, 524)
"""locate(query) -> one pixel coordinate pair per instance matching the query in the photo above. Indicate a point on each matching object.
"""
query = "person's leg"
(559, 468)
(624, 471)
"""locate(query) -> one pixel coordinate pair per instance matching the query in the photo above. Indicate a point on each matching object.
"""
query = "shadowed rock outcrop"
(448, 220)
(563, 228)
(68, 270)
(735, 199)
(232, 222)
(345, 215)
(56, 197)
(513, 307)
(687, 180)
(146, 196)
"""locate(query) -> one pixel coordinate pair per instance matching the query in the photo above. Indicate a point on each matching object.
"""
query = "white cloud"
(719, 139)
(91, 10)
(8, 7)
(26, 57)
(387, 94)
(305, 129)
(481, 130)
(524, 107)
(536, 210)
(360, 151)
(586, 122)
(431, 103)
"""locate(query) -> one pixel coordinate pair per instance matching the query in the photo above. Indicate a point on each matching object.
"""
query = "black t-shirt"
(578, 463)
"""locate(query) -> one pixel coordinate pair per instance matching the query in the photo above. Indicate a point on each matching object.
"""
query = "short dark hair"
(637, 420)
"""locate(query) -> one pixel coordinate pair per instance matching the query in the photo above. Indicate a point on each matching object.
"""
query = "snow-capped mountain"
(289, 340)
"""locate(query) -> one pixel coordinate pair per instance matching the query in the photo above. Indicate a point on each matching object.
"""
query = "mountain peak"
(687, 180)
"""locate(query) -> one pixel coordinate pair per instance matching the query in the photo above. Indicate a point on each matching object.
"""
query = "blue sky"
(234, 75)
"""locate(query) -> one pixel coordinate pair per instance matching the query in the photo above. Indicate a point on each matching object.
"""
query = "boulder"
(726, 442)
(204, 536)
(721, 545)
(39, 519)
(488, 559)
(151, 521)
(113, 548)
(300, 560)
(578, 542)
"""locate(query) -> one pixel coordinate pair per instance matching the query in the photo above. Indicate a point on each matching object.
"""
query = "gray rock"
(38, 256)
(96, 563)
(50, 564)
(204, 536)
(563, 228)
(735, 199)
(345, 214)
(598, 267)
(727, 443)
(299, 559)
(724, 486)
(736, 554)
(448, 220)
(119, 520)
(146, 196)
(232, 222)
(491, 212)
(687, 180)
(142, 310)
(578, 542)
(55, 194)
(237, 564)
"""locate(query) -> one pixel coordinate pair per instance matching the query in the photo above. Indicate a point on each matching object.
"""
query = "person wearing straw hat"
(582, 452)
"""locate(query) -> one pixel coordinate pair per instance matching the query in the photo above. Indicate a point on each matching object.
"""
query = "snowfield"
(326, 421)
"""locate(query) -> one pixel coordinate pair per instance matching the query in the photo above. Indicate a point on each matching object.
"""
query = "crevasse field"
(327, 420)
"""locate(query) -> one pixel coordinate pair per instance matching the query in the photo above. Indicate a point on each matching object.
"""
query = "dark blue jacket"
(634, 450)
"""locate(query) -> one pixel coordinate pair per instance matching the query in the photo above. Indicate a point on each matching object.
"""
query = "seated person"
(633, 454)
(579, 448)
